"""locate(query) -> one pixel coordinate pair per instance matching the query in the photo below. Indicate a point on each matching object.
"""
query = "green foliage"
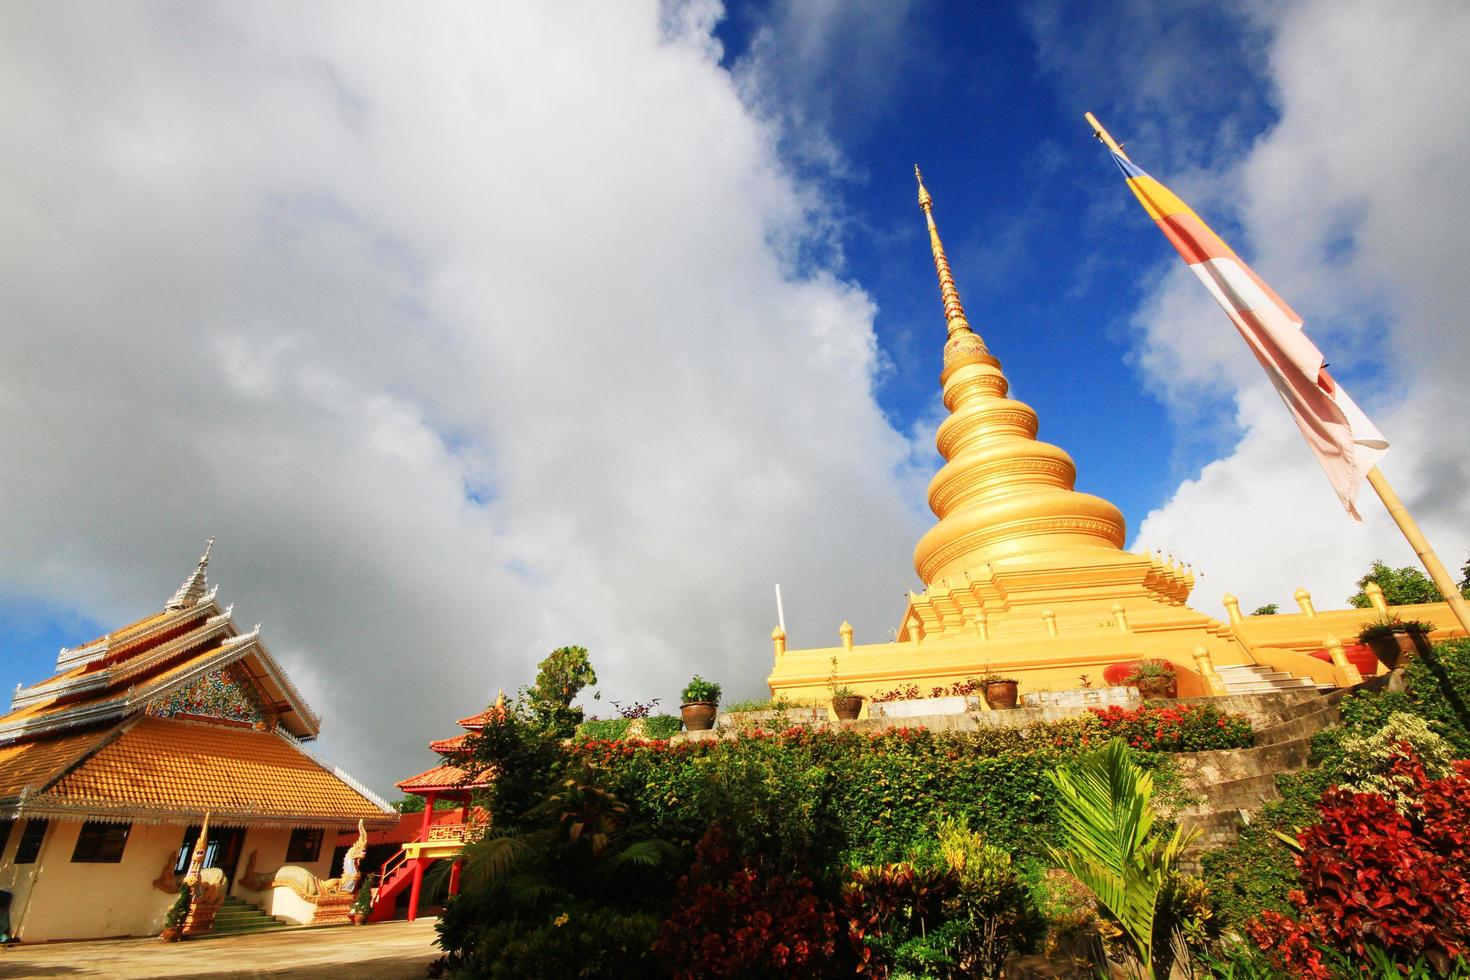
(1269, 609)
(559, 679)
(1439, 691)
(612, 728)
(699, 690)
(523, 756)
(179, 910)
(1388, 625)
(1150, 668)
(1366, 760)
(1401, 586)
(654, 727)
(662, 726)
(578, 850)
(1108, 842)
(362, 902)
(415, 804)
(579, 941)
(1255, 873)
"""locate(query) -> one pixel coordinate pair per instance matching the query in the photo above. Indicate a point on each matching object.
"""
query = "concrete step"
(1231, 795)
(1304, 725)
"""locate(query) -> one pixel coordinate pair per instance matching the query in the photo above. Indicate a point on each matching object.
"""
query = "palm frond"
(1108, 839)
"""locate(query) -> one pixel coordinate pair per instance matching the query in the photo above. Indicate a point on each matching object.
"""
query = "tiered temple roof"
(171, 716)
(447, 778)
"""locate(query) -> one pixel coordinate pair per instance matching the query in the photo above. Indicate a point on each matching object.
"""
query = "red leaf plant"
(732, 920)
(1372, 876)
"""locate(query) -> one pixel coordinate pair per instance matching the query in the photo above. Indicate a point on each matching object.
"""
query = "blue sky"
(476, 330)
(1048, 246)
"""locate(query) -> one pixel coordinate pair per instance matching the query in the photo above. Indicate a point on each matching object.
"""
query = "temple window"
(305, 846)
(101, 843)
(5, 826)
(30, 841)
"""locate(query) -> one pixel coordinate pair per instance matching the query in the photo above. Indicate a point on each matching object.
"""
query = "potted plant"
(1155, 679)
(173, 919)
(701, 700)
(1000, 692)
(847, 704)
(1395, 641)
(362, 904)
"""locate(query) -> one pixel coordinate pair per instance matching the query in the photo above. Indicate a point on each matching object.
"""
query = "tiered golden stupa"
(1027, 577)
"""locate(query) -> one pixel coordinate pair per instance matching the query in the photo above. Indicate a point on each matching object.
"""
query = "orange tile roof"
(443, 777)
(34, 764)
(168, 767)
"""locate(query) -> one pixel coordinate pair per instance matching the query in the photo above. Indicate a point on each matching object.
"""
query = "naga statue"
(206, 887)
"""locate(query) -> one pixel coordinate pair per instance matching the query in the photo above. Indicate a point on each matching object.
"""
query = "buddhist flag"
(1345, 442)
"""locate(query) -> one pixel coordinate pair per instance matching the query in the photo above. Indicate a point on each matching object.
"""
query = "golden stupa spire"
(1001, 493)
(962, 340)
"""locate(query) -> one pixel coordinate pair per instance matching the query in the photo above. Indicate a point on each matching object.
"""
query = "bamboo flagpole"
(1438, 574)
(1294, 364)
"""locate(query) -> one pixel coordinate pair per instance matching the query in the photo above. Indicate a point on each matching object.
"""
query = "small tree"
(1269, 609)
(559, 680)
(1401, 586)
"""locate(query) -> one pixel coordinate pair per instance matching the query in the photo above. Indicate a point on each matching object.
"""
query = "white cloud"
(1354, 208)
(468, 335)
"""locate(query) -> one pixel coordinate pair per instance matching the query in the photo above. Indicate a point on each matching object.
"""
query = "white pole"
(780, 612)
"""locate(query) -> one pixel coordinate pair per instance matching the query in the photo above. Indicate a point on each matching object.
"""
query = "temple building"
(1027, 577)
(439, 835)
(109, 769)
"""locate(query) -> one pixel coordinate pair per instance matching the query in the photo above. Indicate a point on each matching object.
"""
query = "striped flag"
(1345, 442)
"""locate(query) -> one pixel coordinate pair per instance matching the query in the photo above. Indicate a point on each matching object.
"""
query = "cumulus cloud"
(1353, 205)
(469, 332)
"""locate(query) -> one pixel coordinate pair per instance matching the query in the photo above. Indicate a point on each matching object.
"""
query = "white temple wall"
(66, 900)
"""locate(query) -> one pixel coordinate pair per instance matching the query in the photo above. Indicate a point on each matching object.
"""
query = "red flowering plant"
(1182, 728)
(1375, 877)
(734, 920)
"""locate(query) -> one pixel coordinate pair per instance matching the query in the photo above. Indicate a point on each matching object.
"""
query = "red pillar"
(418, 885)
(429, 799)
(454, 877)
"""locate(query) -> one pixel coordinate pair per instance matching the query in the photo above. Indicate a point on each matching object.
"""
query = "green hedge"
(654, 727)
(819, 798)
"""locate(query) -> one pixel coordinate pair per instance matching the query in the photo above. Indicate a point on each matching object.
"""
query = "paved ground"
(381, 951)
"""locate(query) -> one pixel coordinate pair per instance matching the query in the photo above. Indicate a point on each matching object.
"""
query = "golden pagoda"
(1027, 577)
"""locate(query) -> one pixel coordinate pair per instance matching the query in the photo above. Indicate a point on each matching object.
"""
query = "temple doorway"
(221, 849)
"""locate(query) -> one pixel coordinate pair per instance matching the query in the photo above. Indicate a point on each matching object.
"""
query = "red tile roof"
(447, 746)
(444, 778)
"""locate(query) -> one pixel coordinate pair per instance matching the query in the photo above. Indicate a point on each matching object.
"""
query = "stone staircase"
(237, 915)
(1255, 679)
(1233, 784)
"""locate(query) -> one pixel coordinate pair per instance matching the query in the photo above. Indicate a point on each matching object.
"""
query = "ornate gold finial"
(954, 311)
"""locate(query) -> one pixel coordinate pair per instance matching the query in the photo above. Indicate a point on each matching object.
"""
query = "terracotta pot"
(1000, 695)
(699, 716)
(1162, 686)
(848, 708)
(170, 934)
(1397, 649)
(358, 918)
